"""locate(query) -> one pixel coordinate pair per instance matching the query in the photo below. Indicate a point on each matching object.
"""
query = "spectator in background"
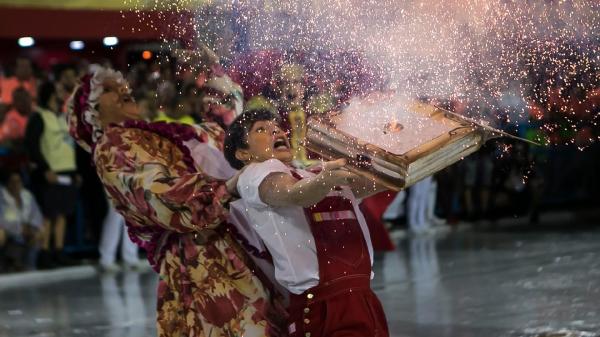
(214, 96)
(3, 110)
(418, 200)
(23, 78)
(66, 80)
(470, 184)
(148, 106)
(52, 154)
(221, 100)
(178, 110)
(436, 222)
(260, 102)
(20, 225)
(15, 120)
(113, 230)
(165, 94)
(191, 94)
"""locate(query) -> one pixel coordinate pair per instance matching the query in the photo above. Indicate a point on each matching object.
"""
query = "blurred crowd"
(555, 105)
(51, 202)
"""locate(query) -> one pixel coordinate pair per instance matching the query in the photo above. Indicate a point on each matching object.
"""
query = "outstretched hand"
(334, 173)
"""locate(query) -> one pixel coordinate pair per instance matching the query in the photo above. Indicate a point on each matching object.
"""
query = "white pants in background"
(113, 230)
(396, 207)
(432, 200)
(418, 203)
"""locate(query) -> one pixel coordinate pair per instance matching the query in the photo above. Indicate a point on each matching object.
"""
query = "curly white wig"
(82, 106)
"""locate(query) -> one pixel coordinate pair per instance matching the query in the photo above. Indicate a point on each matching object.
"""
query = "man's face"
(219, 107)
(266, 140)
(14, 184)
(116, 104)
(68, 79)
(22, 101)
(23, 69)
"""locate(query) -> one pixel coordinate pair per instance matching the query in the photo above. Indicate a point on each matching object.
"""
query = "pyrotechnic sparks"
(518, 65)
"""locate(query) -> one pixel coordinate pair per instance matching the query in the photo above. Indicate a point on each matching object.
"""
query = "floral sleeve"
(148, 179)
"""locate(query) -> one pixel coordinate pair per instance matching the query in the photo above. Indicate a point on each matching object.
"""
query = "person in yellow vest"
(54, 179)
(177, 110)
(260, 102)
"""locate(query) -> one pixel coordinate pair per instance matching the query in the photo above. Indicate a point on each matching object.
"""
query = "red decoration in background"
(53, 29)
(90, 24)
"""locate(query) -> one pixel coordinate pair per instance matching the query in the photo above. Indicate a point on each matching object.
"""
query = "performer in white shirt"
(311, 225)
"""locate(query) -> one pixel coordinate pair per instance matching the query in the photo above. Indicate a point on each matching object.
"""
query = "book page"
(389, 123)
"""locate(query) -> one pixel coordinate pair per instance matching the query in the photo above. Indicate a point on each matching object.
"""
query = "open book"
(394, 141)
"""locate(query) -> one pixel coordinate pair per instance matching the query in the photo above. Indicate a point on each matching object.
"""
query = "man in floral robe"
(163, 179)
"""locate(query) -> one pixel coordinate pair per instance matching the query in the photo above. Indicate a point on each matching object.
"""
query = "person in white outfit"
(113, 230)
(438, 223)
(396, 208)
(21, 224)
(418, 200)
(424, 195)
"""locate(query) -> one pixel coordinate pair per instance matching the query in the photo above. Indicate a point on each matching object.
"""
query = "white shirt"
(284, 230)
(210, 160)
(12, 217)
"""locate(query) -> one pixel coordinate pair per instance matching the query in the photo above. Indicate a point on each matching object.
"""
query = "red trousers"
(342, 304)
(346, 307)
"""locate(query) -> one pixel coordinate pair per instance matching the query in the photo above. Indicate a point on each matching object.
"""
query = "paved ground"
(505, 283)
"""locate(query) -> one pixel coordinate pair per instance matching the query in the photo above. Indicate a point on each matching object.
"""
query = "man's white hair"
(90, 109)
(91, 114)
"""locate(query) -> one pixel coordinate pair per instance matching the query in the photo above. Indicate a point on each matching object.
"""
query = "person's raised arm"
(361, 186)
(281, 189)
(154, 187)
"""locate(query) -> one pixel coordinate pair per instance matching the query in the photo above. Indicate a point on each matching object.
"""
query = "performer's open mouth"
(281, 143)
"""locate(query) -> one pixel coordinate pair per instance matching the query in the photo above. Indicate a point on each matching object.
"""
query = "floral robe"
(176, 213)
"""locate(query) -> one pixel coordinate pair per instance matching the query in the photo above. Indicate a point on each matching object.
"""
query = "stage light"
(110, 41)
(146, 54)
(26, 41)
(77, 45)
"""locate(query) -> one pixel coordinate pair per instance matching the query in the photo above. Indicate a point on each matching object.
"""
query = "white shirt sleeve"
(210, 160)
(250, 180)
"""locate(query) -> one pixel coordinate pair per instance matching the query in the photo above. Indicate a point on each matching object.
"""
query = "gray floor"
(481, 284)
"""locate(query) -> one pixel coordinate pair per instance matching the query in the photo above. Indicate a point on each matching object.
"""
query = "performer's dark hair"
(236, 137)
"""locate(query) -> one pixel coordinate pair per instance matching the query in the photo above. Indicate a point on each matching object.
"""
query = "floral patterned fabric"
(177, 214)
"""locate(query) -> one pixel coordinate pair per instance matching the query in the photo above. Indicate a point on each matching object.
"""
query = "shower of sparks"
(528, 67)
